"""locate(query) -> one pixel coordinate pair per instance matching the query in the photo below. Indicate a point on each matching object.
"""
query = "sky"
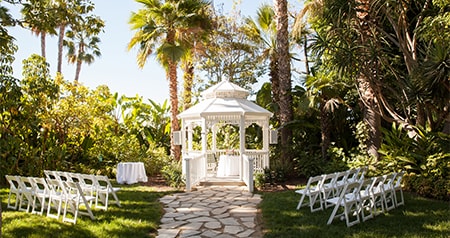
(117, 67)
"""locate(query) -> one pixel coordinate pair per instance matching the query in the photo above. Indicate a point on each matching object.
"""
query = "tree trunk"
(62, 30)
(284, 74)
(366, 80)
(274, 79)
(325, 128)
(371, 117)
(188, 83)
(77, 71)
(175, 150)
(43, 35)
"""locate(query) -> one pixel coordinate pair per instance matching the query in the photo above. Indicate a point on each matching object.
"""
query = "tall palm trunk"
(62, 29)
(77, 71)
(43, 35)
(284, 68)
(175, 150)
(188, 81)
(275, 80)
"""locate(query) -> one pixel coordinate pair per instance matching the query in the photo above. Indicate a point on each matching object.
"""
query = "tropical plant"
(159, 26)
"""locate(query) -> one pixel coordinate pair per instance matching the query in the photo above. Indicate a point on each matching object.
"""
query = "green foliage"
(425, 157)
(259, 180)
(172, 172)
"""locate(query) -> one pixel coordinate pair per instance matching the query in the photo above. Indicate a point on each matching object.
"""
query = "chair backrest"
(56, 187)
(388, 183)
(314, 183)
(40, 185)
(397, 183)
(25, 183)
(328, 181)
(13, 182)
(352, 174)
(366, 187)
(103, 181)
(63, 176)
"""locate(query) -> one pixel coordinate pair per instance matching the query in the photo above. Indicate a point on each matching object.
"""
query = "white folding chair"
(398, 187)
(340, 181)
(27, 193)
(388, 191)
(365, 195)
(13, 189)
(349, 200)
(327, 188)
(57, 196)
(377, 195)
(103, 189)
(312, 190)
(75, 199)
(41, 194)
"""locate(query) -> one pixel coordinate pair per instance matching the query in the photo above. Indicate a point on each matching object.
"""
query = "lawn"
(419, 217)
(140, 214)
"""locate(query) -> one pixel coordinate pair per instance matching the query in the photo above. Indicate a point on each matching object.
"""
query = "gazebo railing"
(194, 166)
(260, 160)
(247, 172)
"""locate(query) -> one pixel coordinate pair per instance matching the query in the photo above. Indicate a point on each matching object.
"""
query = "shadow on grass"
(418, 218)
(138, 216)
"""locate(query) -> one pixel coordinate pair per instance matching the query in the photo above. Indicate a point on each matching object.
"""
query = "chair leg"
(300, 202)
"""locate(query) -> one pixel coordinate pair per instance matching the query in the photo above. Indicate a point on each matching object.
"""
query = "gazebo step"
(222, 181)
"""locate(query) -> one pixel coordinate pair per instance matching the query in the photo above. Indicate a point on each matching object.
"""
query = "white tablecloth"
(131, 172)
(228, 166)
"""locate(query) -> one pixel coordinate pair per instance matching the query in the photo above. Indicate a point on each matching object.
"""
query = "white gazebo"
(223, 104)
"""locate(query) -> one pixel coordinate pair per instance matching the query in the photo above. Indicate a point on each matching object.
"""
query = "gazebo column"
(241, 145)
(266, 139)
(204, 147)
(214, 138)
(190, 137)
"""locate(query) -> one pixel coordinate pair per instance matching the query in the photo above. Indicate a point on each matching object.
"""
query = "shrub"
(425, 158)
(172, 172)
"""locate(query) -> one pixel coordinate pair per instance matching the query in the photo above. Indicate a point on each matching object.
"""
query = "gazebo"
(224, 104)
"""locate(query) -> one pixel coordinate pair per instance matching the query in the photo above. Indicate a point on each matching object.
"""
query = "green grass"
(419, 217)
(139, 216)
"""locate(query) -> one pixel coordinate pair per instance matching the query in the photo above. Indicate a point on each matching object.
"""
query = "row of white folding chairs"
(51, 194)
(367, 198)
(322, 187)
(97, 185)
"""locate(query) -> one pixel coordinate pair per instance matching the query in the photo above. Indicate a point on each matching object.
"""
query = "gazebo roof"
(222, 99)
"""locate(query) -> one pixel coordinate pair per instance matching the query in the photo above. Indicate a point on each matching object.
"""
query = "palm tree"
(67, 12)
(263, 32)
(39, 17)
(284, 74)
(83, 42)
(159, 26)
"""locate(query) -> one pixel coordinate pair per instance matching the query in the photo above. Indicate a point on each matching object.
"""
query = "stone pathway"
(213, 211)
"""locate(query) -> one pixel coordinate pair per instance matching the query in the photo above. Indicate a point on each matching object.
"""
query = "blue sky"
(117, 67)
